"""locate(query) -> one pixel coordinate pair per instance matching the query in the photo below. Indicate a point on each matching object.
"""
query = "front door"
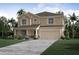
(23, 33)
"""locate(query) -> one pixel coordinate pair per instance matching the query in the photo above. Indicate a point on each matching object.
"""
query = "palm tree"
(20, 12)
(73, 18)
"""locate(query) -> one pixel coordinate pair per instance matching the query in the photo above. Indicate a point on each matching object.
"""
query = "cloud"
(54, 9)
(43, 7)
(68, 12)
(40, 7)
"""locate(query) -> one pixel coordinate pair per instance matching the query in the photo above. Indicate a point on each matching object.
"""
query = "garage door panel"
(49, 34)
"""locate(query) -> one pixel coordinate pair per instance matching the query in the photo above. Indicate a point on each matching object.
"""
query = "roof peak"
(46, 13)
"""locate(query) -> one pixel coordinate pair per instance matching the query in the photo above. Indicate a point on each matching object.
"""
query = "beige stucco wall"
(44, 32)
(30, 19)
(58, 20)
(54, 32)
(42, 20)
(21, 18)
(35, 22)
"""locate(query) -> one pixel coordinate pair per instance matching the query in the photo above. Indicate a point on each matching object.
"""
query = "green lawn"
(7, 42)
(63, 47)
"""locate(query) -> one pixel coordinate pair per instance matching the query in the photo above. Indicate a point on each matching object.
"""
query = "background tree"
(76, 29)
(13, 24)
(3, 24)
(73, 18)
(67, 23)
(20, 12)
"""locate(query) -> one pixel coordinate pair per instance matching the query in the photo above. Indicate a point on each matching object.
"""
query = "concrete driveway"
(31, 47)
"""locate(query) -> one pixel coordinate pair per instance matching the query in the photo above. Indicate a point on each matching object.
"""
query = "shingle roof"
(47, 14)
(30, 26)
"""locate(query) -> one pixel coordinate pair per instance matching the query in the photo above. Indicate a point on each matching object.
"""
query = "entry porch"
(27, 31)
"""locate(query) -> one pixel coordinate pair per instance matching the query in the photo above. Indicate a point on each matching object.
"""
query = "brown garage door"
(49, 34)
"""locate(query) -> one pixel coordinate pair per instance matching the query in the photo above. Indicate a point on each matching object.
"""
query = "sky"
(9, 10)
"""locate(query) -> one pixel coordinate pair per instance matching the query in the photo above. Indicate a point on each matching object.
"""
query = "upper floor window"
(50, 21)
(35, 19)
(23, 21)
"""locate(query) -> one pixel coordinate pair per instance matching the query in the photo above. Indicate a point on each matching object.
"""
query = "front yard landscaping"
(6, 42)
(63, 47)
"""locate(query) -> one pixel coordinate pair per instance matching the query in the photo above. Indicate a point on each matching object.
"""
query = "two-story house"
(45, 25)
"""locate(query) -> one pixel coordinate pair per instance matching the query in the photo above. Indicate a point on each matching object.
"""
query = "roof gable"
(28, 14)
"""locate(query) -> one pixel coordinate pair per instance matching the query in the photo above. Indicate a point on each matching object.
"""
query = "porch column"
(14, 32)
(26, 32)
(30, 21)
(36, 34)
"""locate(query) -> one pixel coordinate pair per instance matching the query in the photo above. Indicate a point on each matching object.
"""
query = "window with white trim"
(35, 19)
(50, 21)
(24, 21)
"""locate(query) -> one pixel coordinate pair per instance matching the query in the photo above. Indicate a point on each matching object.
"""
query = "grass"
(63, 47)
(7, 42)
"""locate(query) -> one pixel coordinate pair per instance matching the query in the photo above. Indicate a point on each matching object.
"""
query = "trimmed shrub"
(62, 37)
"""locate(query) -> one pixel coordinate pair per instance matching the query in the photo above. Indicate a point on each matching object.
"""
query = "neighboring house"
(45, 25)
